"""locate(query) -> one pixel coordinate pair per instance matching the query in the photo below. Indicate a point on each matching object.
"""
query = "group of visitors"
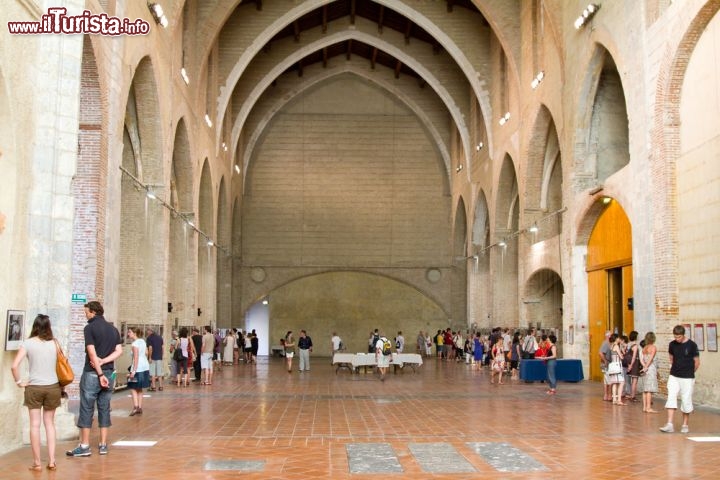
(103, 345)
(628, 368)
(209, 352)
(43, 392)
(631, 368)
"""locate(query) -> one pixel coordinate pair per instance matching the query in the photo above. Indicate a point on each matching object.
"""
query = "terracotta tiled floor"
(299, 424)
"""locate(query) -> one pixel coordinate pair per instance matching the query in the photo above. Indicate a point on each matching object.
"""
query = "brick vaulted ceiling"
(379, 21)
(351, 9)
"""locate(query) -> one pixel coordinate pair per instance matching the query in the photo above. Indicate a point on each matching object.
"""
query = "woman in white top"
(139, 376)
(229, 343)
(42, 390)
(616, 380)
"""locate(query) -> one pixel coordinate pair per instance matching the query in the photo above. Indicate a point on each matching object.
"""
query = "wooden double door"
(610, 281)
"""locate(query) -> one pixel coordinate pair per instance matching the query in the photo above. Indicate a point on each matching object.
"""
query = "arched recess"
(607, 140)
(181, 260)
(544, 179)
(542, 297)
(698, 196)
(89, 184)
(142, 257)
(459, 271)
(610, 279)
(481, 224)
(236, 250)
(505, 254)
(205, 252)
(338, 301)
(224, 260)
(664, 157)
(479, 285)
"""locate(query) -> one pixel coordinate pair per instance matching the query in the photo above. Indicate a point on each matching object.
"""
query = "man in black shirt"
(304, 348)
(197, 343)
(684, 362)
(102, 346)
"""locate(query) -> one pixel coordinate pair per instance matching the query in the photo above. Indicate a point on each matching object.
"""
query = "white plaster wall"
(698, 203)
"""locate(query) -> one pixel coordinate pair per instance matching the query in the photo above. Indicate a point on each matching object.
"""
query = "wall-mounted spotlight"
(479, 146)
(184, 75)
(533, 228)
(586, 15)
(459, 168)
(224, 147)
(158, 14)
(538, 78)
(150, 194)
(237, 169)
(502, 243)
(504, 119)
(606, 200)
(265, 301)
(210, 243)
(208, 121)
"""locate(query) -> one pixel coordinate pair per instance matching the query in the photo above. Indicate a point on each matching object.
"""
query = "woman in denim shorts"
(139, 376)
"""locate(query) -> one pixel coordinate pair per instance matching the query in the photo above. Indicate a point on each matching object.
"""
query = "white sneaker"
(668, 428)
(684, 429)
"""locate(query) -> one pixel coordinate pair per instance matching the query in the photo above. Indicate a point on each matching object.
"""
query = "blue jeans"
(91, 393)
(552, 380)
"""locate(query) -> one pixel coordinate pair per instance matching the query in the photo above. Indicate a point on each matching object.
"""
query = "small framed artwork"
(712, 345)
(688, 330)
(15, 327)
(699, 335)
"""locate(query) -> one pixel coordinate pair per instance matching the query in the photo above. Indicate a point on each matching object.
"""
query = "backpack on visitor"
(387, 346)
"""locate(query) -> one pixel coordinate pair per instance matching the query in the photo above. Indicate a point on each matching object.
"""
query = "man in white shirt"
(399, 342)
(336, 343)
(382, 360)
(529, 344)
(459, 344)
(507, 340)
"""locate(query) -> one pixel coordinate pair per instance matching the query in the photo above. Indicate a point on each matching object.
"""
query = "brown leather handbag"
(62, 367)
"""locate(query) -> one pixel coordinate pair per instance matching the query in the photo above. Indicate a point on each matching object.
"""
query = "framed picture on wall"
(688, 330)
(699, 335)
(712, 345)
(15, 329)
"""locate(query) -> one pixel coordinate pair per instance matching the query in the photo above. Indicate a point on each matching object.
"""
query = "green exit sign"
(79, 298)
